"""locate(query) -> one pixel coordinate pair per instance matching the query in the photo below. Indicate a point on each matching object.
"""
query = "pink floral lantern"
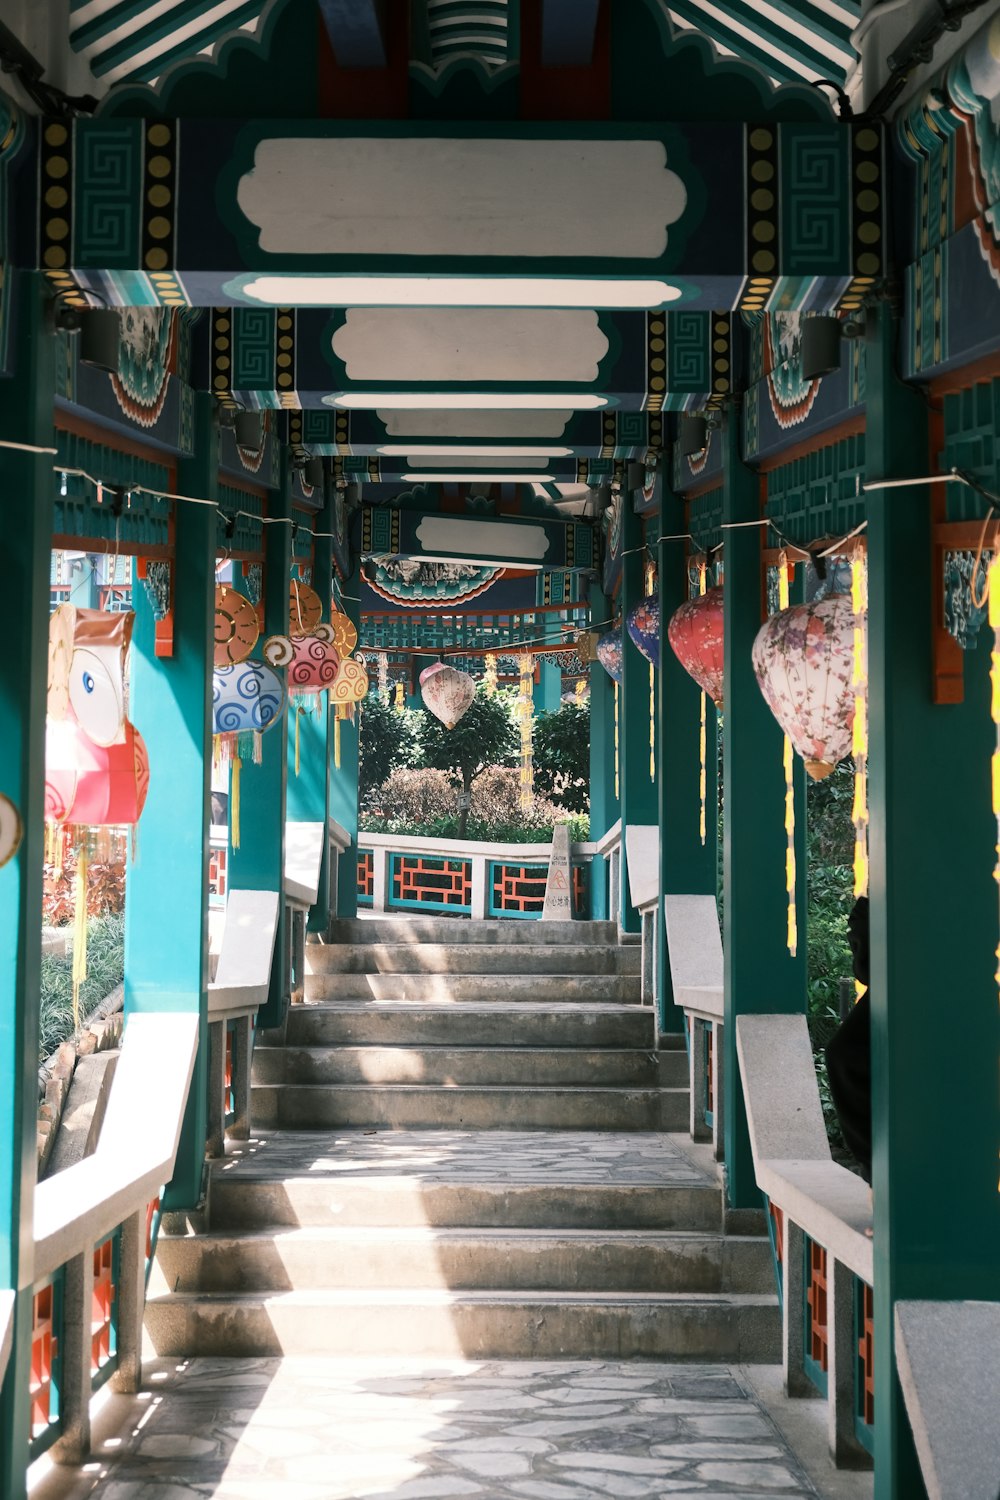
(696, 639)
(446, 692)
(804, 660)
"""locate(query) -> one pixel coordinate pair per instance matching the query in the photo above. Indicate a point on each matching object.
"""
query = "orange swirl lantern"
(696, 639)
(305, 608)
(236, 626)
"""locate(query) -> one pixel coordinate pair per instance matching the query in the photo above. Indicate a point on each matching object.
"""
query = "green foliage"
(105, 891)
(387, 739)
(424, 803)
(831, 886)
(561, 752)
(484, 736)
(105, 970)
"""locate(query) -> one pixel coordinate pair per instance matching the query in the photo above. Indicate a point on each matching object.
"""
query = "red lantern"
(696, 638)
(98, 786)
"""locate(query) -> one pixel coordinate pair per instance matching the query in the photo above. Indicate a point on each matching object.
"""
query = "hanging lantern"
(859, 737)
(305, 608)
(490, 679)
(345, 632)
(643, 624)
(11, 830)
(383, 676)
(97, 786)
(400, 699)
(695, 636)
(247, 698)
(609, 653)
(526, 715)
(448, 694)
(804, 660)
(312, 663)
(86, 675)
(349, 687)
(236, 626)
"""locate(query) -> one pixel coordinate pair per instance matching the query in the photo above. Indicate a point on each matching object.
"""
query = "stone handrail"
(473, 851)
(137, 1147)
(797, 1174)
(6, 1329)
(241, 986)
(948, 1358)
(694, 949)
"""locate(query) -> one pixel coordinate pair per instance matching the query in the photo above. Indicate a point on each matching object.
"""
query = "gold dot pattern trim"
(159, 195)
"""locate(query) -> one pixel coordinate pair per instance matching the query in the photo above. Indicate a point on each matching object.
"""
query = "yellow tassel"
(617, 775)
(79, 932)
(234, 802)
(859, 738)
(336, 739)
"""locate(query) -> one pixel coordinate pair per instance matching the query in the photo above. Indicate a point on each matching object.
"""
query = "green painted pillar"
(549, 691)
(603, 802)
(166, 907)
(688, 866)
(638, 789)
(935, 1027)
(344, 781)
(26, 493)
(760, 974)
(259, 863)
(308, 789)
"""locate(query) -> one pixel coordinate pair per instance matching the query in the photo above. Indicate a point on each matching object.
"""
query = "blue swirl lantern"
(644, 627)
(247, 698)
(609, 653)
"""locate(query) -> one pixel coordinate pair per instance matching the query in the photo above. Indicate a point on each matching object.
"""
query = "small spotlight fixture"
(312, 473)
(819, 344)
(249, 429)
(693, 435)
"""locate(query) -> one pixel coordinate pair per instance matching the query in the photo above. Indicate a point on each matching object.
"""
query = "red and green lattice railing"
(420, 882)
(432, 881)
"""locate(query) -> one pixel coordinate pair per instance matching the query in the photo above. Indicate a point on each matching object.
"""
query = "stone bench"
(817, 1197)
(694, 947)
(948, 1358)
(240, 987)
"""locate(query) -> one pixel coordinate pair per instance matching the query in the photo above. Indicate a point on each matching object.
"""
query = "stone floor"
(471, 1156)
(318, 1429)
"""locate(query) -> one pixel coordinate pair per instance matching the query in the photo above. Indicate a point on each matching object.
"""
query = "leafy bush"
(484, 736)
(561, 752)
(417, 798)
(105, 970)
(105, 891)
(387, 739)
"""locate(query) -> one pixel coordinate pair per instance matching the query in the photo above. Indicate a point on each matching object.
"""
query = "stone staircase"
(460, 1149)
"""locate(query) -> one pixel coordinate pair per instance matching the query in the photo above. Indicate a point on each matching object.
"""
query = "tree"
(387, 739)
(484, 736)
(561, 751)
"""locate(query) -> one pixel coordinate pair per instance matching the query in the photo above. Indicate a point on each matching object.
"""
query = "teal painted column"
(603, 802)
(26, 494)
(166, 906)
(308, 791)
(549, 688)
(760, 974)
(638, 790)
(688, 866)
(935, 1027)
(344, 781)
(259, 863)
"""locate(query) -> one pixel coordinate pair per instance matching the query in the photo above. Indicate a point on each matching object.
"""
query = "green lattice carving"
(820, 494)
(971, 424)
(705, 519)
(244, 510)
(143, 520)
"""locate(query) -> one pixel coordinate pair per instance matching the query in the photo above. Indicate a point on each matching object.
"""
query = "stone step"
(264, 1202)
(419, 929)
(520, 989)
(465, 1259)
(446, 1066)
(731, 1327)
(420, 1107)
(468, 958)
(385, 1023)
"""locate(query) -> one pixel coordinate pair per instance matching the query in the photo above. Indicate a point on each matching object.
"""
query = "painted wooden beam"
(356, 29)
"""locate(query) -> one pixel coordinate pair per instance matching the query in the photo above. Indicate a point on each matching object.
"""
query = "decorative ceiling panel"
(792, 40)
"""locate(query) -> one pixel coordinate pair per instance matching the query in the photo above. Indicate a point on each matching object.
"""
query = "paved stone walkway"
(319, 1429)
(523, 1156)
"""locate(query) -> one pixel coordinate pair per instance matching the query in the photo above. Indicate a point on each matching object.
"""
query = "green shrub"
(105, 970)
